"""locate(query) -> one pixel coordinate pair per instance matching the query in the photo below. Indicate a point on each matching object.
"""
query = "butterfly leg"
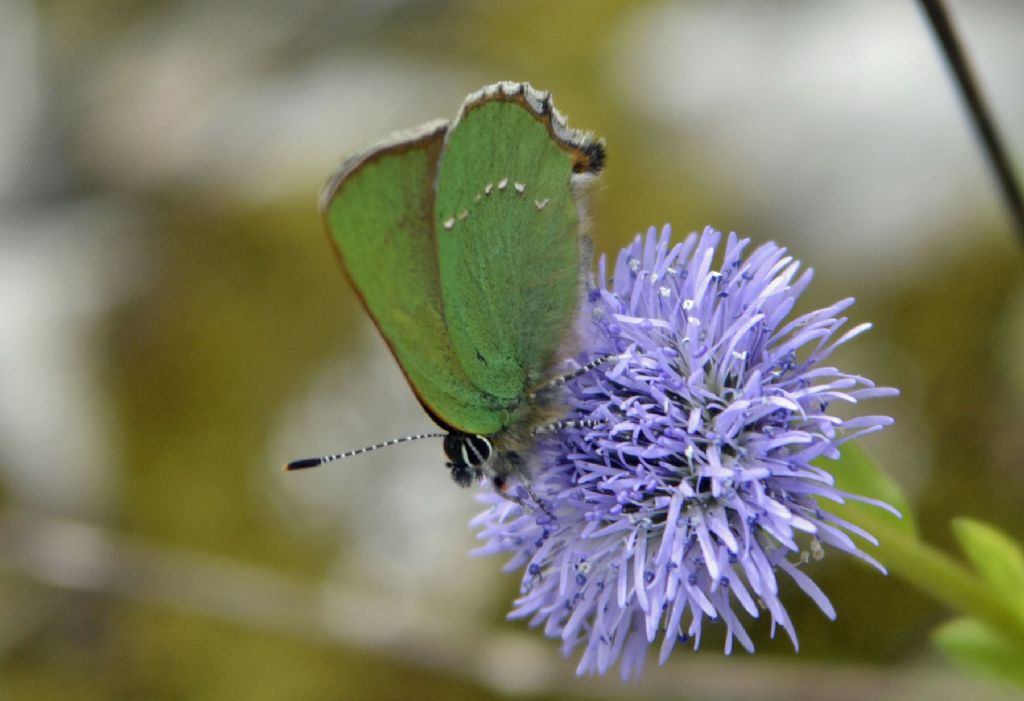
(533, 503)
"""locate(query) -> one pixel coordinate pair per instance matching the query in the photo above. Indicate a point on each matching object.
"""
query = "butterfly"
(464, 240)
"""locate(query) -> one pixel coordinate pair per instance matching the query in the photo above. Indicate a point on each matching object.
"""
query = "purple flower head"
(691, 485)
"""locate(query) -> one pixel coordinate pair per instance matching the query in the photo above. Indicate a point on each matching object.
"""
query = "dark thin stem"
(980, 114)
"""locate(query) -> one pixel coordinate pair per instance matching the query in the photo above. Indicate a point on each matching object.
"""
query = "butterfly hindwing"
(510, 249)
(379, 211)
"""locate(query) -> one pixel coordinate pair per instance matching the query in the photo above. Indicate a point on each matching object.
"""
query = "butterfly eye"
(465, 450)
(479, 450)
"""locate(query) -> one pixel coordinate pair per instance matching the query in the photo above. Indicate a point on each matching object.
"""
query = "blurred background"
(174, 326)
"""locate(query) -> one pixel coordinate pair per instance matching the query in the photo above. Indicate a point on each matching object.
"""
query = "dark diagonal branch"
(981, 117)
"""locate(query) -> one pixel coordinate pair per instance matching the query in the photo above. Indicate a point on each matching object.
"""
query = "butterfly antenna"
(572, 375)
(316, 462)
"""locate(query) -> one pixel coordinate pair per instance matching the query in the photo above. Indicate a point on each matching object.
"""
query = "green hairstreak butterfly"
(464, 243)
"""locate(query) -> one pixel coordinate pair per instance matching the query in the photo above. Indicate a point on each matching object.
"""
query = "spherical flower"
(684, 485)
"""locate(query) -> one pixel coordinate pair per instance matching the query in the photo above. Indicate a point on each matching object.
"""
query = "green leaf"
(857, 474)
(977, 649)
(996, 557)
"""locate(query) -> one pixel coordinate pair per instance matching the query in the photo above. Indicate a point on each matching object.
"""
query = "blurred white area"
(60, 272)
(836, 123)
(173, 106)
(62, 267)
(403, 520)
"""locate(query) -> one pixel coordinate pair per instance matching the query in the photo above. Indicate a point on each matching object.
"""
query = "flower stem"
(943, 578)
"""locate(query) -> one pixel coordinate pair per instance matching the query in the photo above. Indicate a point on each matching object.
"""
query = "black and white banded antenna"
(316, 462)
